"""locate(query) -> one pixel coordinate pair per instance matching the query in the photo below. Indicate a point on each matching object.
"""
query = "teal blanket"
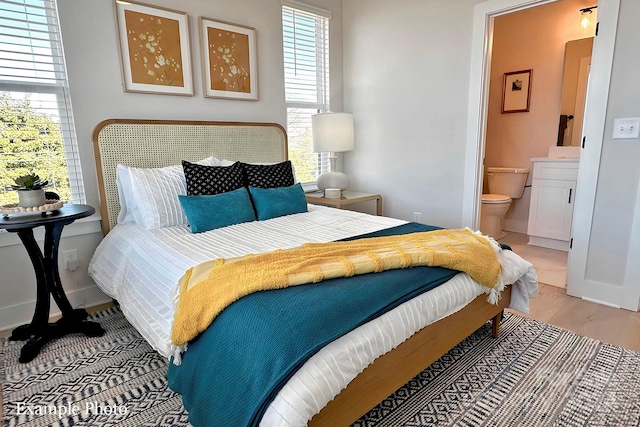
(233, 370)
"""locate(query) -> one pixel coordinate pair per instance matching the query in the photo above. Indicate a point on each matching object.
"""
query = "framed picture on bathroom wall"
(516, 91)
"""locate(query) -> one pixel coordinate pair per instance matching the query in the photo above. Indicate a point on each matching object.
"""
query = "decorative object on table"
(154, 49)
(30, 190)
(229, 61)
(332, 193)
(516, 91)
(47, 207)
(332, 132)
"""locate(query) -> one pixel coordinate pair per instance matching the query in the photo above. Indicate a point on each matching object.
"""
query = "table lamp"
(332, 132)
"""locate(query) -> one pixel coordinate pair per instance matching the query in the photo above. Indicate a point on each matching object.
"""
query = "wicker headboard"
(157, 143)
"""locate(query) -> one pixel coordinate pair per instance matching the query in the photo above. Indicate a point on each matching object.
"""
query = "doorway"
(602, 60)
(549, 41)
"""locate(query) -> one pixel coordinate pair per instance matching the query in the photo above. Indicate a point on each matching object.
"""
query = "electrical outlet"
(70, 258)
(417, 216)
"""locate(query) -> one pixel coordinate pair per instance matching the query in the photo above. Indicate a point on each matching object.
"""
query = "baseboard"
(515, 226)
(20, 314)
(559, 245)
(597, 301)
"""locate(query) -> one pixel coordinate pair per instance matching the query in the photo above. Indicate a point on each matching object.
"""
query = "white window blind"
(37, 133)
(306, 78)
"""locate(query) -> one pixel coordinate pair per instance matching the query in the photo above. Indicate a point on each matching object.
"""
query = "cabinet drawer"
(555, 170)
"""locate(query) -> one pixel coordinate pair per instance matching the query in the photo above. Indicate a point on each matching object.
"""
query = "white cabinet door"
(551, 208)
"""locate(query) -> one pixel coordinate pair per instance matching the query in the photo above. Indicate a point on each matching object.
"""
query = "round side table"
(40, 331)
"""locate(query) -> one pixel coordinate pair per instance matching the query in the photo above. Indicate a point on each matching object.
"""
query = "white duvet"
(140, 268)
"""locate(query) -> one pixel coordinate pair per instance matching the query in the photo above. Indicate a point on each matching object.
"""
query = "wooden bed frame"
(157, 143)
(394, 369)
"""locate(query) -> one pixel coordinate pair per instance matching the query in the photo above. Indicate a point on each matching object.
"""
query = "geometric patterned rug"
(102, 377)
(533, 374)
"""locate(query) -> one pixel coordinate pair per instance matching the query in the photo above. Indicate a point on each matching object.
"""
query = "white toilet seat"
(495, 198)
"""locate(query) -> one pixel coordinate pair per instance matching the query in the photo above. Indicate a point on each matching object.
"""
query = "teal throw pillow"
(280, 201)
(209, 212)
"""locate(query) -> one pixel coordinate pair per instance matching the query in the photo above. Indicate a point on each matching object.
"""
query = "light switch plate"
(626, 128)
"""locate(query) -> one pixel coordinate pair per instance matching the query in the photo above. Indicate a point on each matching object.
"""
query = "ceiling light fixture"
(587, 17)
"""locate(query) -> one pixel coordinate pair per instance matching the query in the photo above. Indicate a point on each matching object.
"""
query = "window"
(306, 79)
(37, 133)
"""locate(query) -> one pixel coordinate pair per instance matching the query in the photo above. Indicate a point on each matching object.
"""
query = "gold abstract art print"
(154, 47)
(229, 60)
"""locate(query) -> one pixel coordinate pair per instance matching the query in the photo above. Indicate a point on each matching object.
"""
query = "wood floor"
(614, 326)
(611, 325)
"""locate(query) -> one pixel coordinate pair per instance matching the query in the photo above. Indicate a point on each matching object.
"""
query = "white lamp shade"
(332, 132)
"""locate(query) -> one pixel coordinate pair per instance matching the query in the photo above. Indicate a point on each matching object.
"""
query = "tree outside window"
(30, 142)
(37, 133)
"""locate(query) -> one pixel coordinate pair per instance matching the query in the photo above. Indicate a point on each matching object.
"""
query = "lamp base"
(333, 180)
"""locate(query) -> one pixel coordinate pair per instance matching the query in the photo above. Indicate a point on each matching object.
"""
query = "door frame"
(595, 116)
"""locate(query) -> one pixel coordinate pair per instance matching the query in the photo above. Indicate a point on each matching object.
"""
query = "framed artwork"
(154, 49)
(516, 91)
(229, 60)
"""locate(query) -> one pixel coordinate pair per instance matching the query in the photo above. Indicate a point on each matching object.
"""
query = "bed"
(145, 286)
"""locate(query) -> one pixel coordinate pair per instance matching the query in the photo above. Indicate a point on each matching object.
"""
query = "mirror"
(577, 63)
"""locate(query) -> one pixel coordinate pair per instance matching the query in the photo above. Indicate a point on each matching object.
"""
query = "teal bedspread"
(232, 371)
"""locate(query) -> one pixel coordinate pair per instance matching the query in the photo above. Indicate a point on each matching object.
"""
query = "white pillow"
(127, 205)
(149, 196)
(155, 192)
(225, 162)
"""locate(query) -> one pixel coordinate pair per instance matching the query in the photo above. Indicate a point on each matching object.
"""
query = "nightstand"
(45, 264)
(347, 198)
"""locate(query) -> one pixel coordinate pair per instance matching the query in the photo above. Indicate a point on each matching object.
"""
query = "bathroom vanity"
(553, 191)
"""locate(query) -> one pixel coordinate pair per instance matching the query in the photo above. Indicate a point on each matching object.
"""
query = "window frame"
(56, 85)
(322, 100)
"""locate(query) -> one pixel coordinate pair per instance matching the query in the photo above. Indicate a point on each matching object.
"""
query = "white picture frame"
(229, 60)
(154, 49)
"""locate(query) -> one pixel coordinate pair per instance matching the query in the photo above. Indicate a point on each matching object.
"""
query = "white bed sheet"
(140, 268)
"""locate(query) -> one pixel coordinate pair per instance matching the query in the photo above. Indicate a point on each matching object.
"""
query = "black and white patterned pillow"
(205, 180)
(269, 176)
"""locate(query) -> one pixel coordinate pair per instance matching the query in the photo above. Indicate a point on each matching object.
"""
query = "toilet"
(504, 184)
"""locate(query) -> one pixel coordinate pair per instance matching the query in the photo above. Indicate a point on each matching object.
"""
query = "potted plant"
(30, 190)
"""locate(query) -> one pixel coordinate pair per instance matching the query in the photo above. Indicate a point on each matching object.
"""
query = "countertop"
(555, 159)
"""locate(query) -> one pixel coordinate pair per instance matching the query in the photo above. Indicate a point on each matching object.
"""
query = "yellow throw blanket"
(205, 290)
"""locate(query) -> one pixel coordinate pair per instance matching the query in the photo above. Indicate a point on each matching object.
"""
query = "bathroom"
(530, 46)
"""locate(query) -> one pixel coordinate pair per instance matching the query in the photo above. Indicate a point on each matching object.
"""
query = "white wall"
(616, 206)
(93, 65)
(407, 65)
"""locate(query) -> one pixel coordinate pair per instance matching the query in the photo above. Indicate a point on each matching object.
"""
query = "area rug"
(116, 379)
(533, 374)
